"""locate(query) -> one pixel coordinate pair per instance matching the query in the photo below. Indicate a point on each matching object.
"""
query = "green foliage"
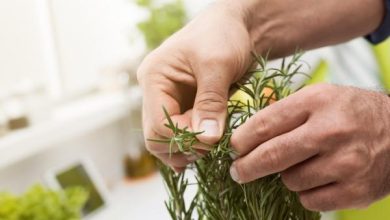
(163, 21)
(177, 185)
(219, 197)
(144, 3)
(39, 203)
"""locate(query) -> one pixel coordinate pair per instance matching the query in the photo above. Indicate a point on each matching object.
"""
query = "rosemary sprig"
(219, 197)
(182, 138)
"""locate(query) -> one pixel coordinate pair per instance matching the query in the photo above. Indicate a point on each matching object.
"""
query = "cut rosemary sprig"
(182, 138)
(218, 196)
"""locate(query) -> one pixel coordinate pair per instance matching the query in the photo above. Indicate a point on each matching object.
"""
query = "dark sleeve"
(383, 31)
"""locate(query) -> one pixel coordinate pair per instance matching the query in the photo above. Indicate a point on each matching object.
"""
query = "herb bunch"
(40, 203)
(218, 196)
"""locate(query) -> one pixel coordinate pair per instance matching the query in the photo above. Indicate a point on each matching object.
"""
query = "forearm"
(282, 26)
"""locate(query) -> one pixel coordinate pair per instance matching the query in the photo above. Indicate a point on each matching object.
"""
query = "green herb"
(39, 203)
(218, 196)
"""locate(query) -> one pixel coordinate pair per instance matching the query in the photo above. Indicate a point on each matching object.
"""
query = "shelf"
(66, 122)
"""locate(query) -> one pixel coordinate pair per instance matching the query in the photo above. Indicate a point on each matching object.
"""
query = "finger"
(178, 169)
(276, 119)
(332, 197)
(155, 145)
(273, 156)
(315, 172)
(323, 169)
(163, 126)
(181, 121)
(160, 145)
(163, 85)
(210, 107)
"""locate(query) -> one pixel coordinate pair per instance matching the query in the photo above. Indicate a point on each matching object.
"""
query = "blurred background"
(70, 104)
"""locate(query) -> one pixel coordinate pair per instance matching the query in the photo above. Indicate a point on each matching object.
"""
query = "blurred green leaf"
(163, 21)
(144, 3)
(39, 203)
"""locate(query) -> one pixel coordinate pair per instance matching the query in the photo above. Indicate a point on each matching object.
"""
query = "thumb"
(210, 107)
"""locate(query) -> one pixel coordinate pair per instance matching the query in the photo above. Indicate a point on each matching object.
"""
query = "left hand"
(330, 143)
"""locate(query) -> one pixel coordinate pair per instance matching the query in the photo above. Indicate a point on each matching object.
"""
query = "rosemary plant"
(218, 196)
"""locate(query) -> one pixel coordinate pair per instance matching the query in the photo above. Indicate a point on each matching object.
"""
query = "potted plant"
(40, 203)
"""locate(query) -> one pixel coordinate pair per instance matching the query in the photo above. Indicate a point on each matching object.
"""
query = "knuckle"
(308, 202)
(270, 159)
(261, 128)
(246, 172)
(290, 181)
(320, 92)
(211, 101)
(351, 163)
(302, 178)
(335, 133)
(216, 58)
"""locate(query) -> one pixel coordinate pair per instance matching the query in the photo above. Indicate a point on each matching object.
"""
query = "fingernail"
(234, 173)
(209, 127)
(233, 155)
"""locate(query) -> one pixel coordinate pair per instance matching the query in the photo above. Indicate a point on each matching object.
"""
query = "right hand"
(190, 75)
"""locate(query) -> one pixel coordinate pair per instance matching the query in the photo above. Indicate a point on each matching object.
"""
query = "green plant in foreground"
(39, 203)
(218, 196)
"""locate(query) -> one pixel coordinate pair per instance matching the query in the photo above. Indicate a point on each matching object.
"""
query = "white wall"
(64, 44)
(21, 42)
(91, 36)
(105, 147)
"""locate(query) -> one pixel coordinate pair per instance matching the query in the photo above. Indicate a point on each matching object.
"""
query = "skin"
(330, 143)
(333, 149)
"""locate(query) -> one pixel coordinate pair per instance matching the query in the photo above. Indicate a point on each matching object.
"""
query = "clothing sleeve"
(383, 31)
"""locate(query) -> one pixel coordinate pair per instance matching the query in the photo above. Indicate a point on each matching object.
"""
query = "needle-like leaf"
(218, 196)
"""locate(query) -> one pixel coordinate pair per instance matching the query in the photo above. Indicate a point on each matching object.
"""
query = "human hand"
(330, 143)
(190, 75)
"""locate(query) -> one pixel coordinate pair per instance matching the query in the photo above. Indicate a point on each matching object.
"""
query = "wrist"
(267, 23)
(247, 13)
(282, 26)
